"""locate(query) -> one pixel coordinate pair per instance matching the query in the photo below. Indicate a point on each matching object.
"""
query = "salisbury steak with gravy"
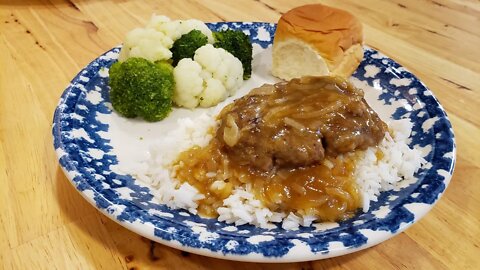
(297, 123)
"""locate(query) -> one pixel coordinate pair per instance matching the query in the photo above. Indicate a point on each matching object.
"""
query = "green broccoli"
(187, 44)
(238, 44)
(142, 88)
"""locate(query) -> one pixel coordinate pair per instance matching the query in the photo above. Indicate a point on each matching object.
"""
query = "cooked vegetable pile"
(177, 62)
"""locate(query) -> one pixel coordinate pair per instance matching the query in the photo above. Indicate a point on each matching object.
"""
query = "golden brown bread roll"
(317, 40)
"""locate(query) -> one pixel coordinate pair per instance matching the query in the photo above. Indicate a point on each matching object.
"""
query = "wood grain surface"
(46, 224)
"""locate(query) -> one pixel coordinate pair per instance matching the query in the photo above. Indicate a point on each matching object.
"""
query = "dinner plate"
(92, 142)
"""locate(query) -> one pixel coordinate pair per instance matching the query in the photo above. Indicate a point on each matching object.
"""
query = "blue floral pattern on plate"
(77, 129)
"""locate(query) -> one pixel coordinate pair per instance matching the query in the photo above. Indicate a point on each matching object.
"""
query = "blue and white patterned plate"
(91, 140)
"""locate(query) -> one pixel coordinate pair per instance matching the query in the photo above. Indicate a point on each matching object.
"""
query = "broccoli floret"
(238, 44)
(187, 44)
(142, 88)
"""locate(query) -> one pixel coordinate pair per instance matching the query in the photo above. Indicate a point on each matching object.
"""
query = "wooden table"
(45, 223)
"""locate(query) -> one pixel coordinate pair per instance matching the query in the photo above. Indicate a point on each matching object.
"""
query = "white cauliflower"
(176, 28)
(146, 43)
(164, 25)
(222, 65)
(188, 83)
(212, 76)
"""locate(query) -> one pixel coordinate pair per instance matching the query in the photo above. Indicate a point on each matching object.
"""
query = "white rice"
(398, 165)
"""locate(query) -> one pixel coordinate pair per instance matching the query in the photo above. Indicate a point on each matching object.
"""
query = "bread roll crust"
(334, 34)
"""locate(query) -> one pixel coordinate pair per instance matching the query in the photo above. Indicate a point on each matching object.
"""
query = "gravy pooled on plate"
(294, 144)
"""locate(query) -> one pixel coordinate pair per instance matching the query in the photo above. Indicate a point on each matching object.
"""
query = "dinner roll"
(316, 40)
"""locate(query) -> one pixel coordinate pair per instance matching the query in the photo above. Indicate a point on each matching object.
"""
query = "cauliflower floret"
(213, 93)
(164, 25)
(223, 65)
(188, 83)
(207, 80)
(176, 28)
(146, 43)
